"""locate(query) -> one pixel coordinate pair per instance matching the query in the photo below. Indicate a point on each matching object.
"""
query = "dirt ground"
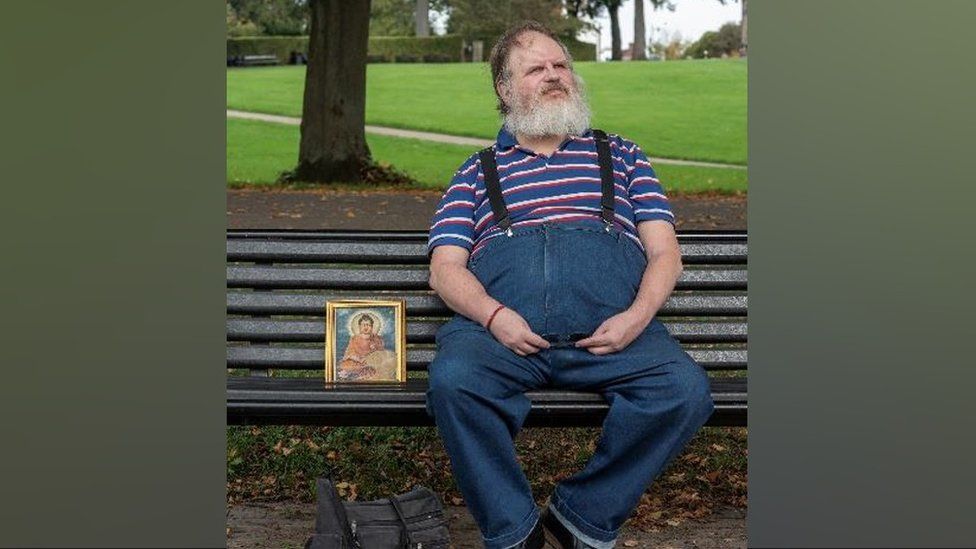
(288, 524)
(412, 210)
(277, 525)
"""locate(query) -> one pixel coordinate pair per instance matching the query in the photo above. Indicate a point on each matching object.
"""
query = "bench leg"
(476, 397)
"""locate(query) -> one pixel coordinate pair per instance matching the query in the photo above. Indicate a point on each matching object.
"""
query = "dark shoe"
(557, 535)
(536, 539)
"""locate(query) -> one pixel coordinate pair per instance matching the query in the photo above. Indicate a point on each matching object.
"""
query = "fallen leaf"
(717, 447)
(630, 543)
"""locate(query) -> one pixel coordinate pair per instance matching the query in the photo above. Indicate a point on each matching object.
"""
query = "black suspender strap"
(606, 176)
(490, 169)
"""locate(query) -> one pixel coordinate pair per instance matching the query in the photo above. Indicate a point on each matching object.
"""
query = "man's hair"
(500, 73)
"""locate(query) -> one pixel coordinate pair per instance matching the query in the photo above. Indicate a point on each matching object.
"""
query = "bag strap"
(329, 504)
(606, 176)
(399, 511)
(490, 169)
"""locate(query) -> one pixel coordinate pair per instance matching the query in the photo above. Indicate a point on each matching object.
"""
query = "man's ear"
(504, 91)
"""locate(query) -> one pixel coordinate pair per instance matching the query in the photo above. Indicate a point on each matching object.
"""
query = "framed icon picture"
(365, 341)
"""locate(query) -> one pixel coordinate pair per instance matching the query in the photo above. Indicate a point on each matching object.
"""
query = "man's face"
(540, 73)
(365, 327)
(543, 95)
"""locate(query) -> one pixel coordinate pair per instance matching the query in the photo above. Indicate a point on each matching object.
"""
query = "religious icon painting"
(365, 341)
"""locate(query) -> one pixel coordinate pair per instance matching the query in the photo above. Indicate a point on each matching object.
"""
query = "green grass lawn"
(258, 151)
(693, 109)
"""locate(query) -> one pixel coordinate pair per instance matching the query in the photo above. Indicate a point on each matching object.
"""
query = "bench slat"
(304, 401)
(421, 331)
(304, 358)
(429, 304)
(416, 278)
(415, 253)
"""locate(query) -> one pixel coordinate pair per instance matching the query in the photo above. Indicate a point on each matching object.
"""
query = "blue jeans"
(563, 278)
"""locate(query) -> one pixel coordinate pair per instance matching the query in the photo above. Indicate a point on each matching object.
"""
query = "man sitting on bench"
(556, 248)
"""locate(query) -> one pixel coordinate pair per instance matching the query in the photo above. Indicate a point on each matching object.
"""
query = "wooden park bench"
(254, 60)
(279, 280)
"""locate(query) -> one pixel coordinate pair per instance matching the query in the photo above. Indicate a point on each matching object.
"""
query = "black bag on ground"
(413, 520)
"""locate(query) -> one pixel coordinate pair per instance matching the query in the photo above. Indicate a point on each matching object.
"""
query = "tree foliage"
(488, 19)
(268, 17)
(727, 40)
(396, 17)
(237, 27)
(391, 18)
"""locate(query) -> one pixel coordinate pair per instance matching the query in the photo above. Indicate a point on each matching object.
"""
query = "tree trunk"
(421, 15)
(640, 40)
(745, 41)
(614, 33)
(333, 145)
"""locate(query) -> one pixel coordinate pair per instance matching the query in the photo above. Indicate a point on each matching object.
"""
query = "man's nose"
(551, 73)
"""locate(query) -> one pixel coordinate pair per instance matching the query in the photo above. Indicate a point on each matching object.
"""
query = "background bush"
(726, 41)
(432, 48)
(386, 47)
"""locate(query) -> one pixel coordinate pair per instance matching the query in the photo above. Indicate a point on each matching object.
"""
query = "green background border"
(113, 260)
(860, 217)
(861, 123)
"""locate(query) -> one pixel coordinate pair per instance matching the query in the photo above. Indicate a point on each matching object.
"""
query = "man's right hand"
(512, 331)
(463, 293)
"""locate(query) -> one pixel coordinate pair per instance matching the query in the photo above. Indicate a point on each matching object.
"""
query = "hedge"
(416, 47)
(384, 48)
(280, 46)
(580, 51)
(433, 48)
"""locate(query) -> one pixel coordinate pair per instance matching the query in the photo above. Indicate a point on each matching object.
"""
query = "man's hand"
(615, 333)
(657, 282)
(512, 331)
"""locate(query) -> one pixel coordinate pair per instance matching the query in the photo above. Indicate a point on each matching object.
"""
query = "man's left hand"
(615, 334)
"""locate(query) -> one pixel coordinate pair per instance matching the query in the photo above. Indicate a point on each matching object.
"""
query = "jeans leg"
(476, 396)
(659, 398)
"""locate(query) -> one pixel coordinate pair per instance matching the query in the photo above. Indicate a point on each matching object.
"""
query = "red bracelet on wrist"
(492, 317)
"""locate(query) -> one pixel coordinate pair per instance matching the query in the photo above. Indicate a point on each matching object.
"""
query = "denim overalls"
(564, 279)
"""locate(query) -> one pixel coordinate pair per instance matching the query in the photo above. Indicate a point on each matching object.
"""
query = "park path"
(449, 139)
(322, 208)
(277, 524)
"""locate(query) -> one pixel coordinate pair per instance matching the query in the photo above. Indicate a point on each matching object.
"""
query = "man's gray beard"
(539, 118)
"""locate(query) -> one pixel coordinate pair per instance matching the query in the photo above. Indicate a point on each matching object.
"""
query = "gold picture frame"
(365, 341)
